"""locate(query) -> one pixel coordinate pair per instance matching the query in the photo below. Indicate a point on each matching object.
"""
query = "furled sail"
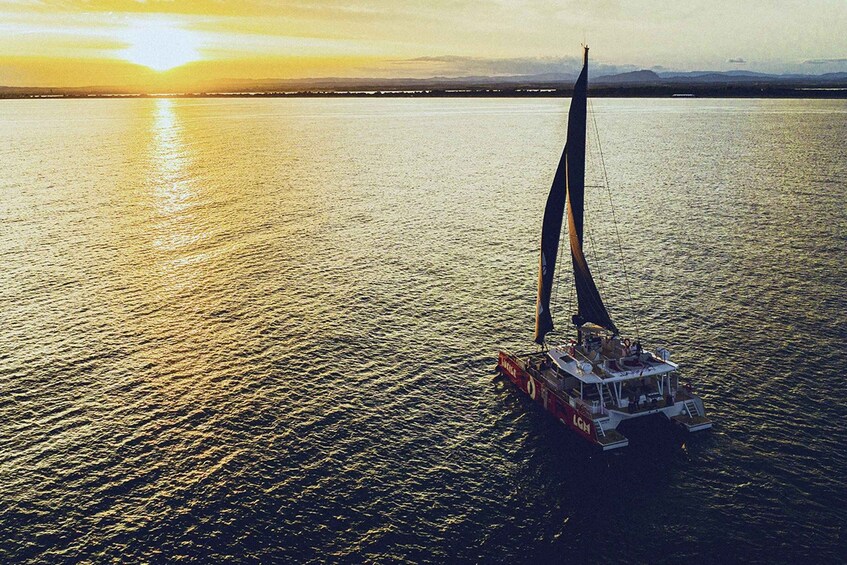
(590, 304)
(551, 231)
(569, 186)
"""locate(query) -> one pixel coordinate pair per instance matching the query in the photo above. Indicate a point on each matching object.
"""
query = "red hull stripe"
(551, 401)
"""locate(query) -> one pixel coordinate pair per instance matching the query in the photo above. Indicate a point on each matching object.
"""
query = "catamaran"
(598, 380)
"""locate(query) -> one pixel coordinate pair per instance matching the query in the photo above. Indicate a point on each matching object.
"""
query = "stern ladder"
(691, 407)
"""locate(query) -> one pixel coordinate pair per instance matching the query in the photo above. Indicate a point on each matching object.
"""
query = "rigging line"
(614, 216)
(554, 293)
(593, 251)
(587, 231)
(570, 297)
(595, 302)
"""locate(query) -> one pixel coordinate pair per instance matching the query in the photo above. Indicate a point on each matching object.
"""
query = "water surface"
(267, 329)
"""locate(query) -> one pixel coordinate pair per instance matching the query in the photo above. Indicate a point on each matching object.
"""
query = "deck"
(693, 423)
(612, 439)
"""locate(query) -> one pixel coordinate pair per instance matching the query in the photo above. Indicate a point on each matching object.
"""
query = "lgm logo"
(581, 424)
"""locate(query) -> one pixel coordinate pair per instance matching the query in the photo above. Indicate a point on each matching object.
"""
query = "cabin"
(604, 373)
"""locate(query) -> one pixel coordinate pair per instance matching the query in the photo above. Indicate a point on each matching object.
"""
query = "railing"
(588, 409)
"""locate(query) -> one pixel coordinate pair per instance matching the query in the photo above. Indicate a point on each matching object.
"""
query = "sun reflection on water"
(173, 187)
(177, 201)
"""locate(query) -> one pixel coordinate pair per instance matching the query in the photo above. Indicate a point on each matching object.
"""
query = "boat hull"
(554, 402)
(598, 427)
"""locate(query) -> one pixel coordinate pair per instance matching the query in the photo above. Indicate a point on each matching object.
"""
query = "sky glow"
(89, 42)
(160, 45)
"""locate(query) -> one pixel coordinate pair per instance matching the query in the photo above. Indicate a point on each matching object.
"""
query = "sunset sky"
(203, 42)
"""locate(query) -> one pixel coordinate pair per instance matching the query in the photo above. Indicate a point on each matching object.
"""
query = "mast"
(568, 190)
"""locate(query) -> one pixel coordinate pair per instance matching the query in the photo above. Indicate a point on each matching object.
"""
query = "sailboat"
(598, 380)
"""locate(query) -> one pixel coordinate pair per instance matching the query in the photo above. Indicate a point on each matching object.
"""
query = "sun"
(160, 45)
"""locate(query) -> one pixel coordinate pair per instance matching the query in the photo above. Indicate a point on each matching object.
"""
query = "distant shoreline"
(646, 91)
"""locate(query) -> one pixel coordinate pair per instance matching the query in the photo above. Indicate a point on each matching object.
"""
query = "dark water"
(245, 330)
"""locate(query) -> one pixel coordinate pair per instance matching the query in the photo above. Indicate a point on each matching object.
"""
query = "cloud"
(493, 66)
(825, 61)
(738, 60)
(452, 65)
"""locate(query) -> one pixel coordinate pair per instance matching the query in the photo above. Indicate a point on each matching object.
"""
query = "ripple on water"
(265, 329)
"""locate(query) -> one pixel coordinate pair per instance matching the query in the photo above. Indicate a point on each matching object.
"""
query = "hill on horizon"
(642, 79)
